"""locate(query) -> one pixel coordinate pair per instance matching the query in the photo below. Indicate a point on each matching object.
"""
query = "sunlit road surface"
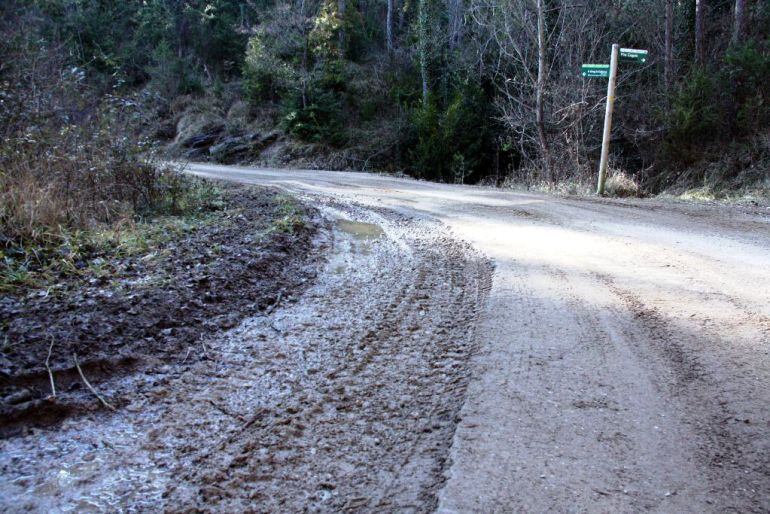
(624, 350)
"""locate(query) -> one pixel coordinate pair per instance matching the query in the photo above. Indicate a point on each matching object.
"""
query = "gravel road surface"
(623, 356)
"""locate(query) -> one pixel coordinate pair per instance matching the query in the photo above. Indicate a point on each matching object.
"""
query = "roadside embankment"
(147, 298)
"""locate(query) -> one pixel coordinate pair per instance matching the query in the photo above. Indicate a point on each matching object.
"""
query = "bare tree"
(455, 22)
(540, 88)
(699, 50)
(739, 21)
(668, 70)
(537, 47)
(389, 26)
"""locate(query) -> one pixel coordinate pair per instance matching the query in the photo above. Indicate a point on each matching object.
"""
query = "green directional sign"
(595, 70)
(631, 54)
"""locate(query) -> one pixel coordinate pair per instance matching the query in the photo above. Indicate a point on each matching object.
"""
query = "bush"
(694, 116)
(77, 177)
(68, 157)
(746, 73)
(719, 104)
(453, 144)
(316, 112)
(266, 77)
(621, 185)
(317, 118)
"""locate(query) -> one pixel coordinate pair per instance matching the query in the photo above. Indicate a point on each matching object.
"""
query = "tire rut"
(727, 445)
(342, 399)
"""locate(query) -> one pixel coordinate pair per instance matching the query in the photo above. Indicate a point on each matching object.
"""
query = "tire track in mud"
(728, 446)
(374, 431)
(343, 399)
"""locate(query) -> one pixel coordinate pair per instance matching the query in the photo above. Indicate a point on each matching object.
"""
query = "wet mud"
(151, 309)
(342, 397)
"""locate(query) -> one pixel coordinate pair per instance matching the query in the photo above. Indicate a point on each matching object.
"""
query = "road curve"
(624, 350)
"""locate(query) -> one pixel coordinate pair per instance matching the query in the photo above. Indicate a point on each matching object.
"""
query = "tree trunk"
(699, 50)
(668, 71)
(341, 11)
(540, 89)
(389, 27)
(740, 21)
(454, 14)
(422, 37)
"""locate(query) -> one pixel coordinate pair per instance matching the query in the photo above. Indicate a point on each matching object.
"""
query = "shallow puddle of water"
(359, 229)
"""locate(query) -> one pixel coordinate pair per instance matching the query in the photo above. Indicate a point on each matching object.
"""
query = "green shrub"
(453, 144)
(429, 155)
(719, 105)
(746, 76)
(694, 115)
(266, 76)
(317, 118)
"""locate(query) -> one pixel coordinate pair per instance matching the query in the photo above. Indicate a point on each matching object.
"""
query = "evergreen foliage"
(454, 92)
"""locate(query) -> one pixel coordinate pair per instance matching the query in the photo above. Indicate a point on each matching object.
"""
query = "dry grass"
(619, 184)
(56, 183)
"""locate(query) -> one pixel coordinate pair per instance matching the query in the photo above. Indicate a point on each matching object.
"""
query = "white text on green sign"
(633, 54)
(595, 70)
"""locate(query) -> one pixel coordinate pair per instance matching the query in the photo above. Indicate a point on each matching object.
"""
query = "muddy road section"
(624, 349)
(343, 397)
(126, 313)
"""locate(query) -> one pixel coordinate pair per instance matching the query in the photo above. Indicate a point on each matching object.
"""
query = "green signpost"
(610, 71)
(631, 54)
(595, 70)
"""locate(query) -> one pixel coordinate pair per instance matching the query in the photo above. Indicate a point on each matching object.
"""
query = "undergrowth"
(72, 252)
(291, 218)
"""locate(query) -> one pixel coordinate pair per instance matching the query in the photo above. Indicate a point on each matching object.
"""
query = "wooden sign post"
(610, 71)
(608, 120)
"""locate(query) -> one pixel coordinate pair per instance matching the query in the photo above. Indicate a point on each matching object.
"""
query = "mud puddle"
(359, 229)
(342, 398)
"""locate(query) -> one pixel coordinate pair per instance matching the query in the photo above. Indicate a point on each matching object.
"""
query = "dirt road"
(623, 353)
(342, 395)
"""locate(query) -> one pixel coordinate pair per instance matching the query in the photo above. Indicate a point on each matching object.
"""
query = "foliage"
(337, 35)
(692, 117)
(327, 27)
(266, 76)
(446, 90)
(453, 144)
(70, 164)
(712, 103)
(315, 111)
(746, 71)
(172, 42)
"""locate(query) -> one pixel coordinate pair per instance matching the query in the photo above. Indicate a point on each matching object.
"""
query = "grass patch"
(757, 195)
(291, 215)
(66, 253)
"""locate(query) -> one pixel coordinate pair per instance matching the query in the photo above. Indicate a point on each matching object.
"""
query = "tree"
(341, 6)
(423, 41)
(668, 62)
(455, 21)
(540, 88)
(389, 27)
(739, 21)
(699, 14)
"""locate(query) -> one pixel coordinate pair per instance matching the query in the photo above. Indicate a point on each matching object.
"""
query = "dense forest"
(449, 90)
